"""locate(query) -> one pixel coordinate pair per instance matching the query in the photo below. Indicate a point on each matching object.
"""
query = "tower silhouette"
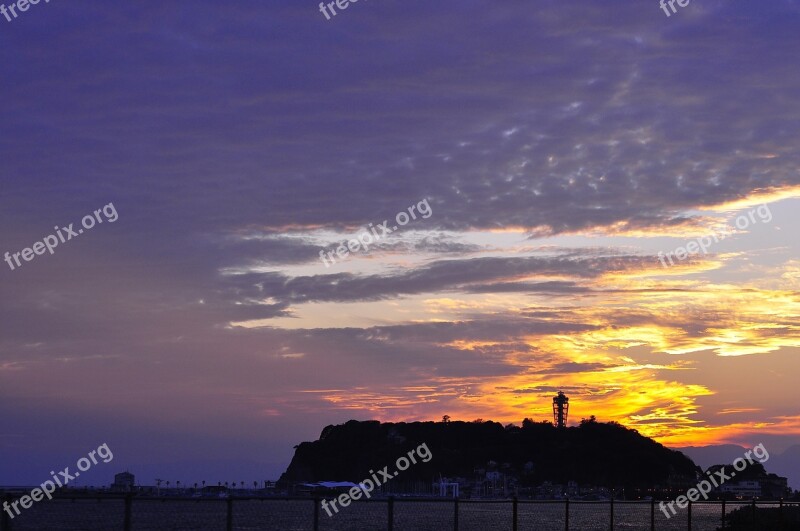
(560, 410)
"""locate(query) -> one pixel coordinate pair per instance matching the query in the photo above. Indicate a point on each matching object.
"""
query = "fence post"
(229, 517)
(5, 521)
(316, 514)
(723, 513)
(653, 514)
(566, 515)
(391, 513)
(514, 514)
(780, 514)
(754, 513)
(455, 514)
(128, 504)
(690, 515)
(612, 512)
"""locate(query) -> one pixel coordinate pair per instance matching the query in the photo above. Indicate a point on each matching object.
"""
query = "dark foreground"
(401, 514)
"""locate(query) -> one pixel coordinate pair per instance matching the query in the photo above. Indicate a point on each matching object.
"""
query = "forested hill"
(593, 453)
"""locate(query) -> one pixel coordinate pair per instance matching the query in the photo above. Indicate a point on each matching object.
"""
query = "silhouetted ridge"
(592, 453)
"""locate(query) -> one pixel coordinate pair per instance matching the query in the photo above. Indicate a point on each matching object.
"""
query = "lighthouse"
(560, 410)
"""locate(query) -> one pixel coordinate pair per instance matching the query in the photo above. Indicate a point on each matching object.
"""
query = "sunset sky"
(560, 146)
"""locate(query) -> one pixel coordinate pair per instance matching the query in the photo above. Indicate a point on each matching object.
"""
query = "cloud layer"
(561, 146)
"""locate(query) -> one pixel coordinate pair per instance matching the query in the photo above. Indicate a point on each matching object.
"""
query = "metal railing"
(129, 512)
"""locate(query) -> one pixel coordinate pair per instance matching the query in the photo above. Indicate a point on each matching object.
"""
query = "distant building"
(123, 482)
(573, 489)
(774, 486)
(756, 484)
(447, 487)
(743, 489)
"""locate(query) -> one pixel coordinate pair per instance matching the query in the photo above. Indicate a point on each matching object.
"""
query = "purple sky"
(560, 145)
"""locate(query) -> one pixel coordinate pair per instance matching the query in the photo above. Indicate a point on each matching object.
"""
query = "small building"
(743, 489)
(775, 487)
(573, 490)
(447, 487)
(123, 482)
